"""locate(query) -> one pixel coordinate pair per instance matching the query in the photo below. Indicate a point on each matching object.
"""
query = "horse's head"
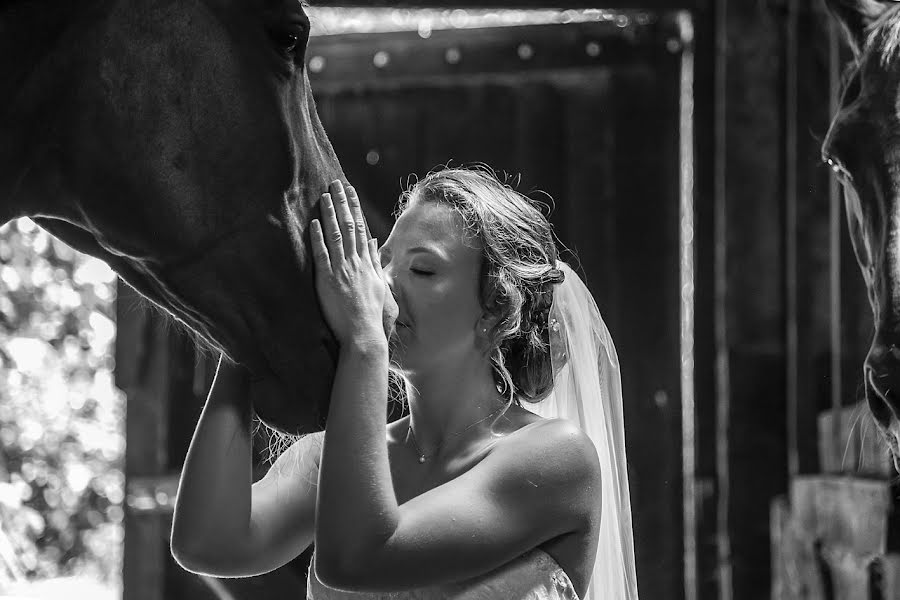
(863, 147)
(178, 140)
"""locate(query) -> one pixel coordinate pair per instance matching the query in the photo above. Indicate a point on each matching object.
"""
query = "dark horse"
(178, 141)
(863, 147)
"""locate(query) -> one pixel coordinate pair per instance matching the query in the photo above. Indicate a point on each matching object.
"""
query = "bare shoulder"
(553, 454)
(556, 443)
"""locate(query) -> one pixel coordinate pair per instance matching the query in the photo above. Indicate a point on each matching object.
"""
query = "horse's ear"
(857, 16)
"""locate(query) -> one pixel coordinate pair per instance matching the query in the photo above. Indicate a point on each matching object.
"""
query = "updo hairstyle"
(518, 271)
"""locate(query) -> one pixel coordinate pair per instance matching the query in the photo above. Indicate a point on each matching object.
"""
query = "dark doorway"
(588, 113)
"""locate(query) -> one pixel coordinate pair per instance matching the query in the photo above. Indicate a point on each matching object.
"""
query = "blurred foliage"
(61, 418)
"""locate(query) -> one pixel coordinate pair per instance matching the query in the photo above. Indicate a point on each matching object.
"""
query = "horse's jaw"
(248, 299)
(257, 297)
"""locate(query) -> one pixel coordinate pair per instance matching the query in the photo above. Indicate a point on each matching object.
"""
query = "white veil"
(588, 391)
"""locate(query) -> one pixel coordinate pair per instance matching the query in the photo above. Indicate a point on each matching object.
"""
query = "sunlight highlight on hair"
(884, 35)
(519, 269)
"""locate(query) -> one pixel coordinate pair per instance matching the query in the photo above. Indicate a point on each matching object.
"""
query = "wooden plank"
(844, 512)
(885, 577)
(812, 269)
(642, 110)
(144, 378)
(828, 542)
(856, 447)
(848, 573)
(155, 367)
(706, 367)
(537, 137)
(755, 439)
(751, 311)
(797, 569)
(779, 515)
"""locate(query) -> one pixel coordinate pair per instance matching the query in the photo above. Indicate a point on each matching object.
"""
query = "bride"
(506, 479)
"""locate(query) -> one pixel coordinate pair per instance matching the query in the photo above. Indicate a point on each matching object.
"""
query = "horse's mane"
(884, 34)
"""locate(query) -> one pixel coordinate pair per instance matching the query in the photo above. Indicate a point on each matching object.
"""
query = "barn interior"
(678, 146)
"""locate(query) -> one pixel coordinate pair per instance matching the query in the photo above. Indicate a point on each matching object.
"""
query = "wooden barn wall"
(792, 324)
(781, 319)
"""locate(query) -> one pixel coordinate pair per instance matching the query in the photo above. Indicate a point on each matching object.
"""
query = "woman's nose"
(387, 271)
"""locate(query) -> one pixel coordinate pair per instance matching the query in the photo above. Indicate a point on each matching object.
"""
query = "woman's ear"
(486, 323)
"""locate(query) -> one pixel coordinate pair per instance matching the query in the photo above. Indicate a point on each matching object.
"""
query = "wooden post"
(143, 373)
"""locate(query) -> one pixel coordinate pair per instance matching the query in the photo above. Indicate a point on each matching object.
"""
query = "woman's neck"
(447, 401)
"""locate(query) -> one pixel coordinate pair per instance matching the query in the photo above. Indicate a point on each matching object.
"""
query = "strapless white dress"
(533, 576)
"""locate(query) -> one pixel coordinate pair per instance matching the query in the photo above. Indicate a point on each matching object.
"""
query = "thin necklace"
(422, 456)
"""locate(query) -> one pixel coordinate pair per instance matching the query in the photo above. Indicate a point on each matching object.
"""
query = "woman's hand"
(351, 289)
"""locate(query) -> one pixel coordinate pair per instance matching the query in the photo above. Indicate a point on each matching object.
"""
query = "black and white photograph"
(423, 300)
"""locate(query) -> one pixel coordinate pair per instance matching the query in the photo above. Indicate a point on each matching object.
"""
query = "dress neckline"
(557, 573)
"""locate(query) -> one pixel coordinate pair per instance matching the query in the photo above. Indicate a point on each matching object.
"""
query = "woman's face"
(434, 277)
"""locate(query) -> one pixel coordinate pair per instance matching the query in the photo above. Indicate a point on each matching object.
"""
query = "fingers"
(345, 217)
(331, 231)
(362, 233)
(373, 255)
(319, 248)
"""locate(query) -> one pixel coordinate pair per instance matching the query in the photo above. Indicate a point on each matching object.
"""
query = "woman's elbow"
(196, 557)
(340, 573)
(187, 557)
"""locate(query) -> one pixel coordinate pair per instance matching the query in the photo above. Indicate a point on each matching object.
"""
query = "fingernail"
(326, 198)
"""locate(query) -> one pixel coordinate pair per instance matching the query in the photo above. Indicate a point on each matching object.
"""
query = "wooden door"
(588, 113)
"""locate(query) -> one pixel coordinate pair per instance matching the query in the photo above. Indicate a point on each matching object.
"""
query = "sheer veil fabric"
(588, 391)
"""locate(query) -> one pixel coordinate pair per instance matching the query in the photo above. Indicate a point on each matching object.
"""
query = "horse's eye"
(288, 39)
(285, 41)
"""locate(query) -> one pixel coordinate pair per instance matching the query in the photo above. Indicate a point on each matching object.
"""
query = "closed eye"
(422, 273)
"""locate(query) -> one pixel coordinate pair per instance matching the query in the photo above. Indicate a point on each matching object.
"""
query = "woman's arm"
(213, 501)
(533, 487)
(222, 526)
(357, 507)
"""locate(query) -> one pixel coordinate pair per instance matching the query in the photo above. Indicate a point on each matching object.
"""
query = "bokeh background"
(61, 420)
